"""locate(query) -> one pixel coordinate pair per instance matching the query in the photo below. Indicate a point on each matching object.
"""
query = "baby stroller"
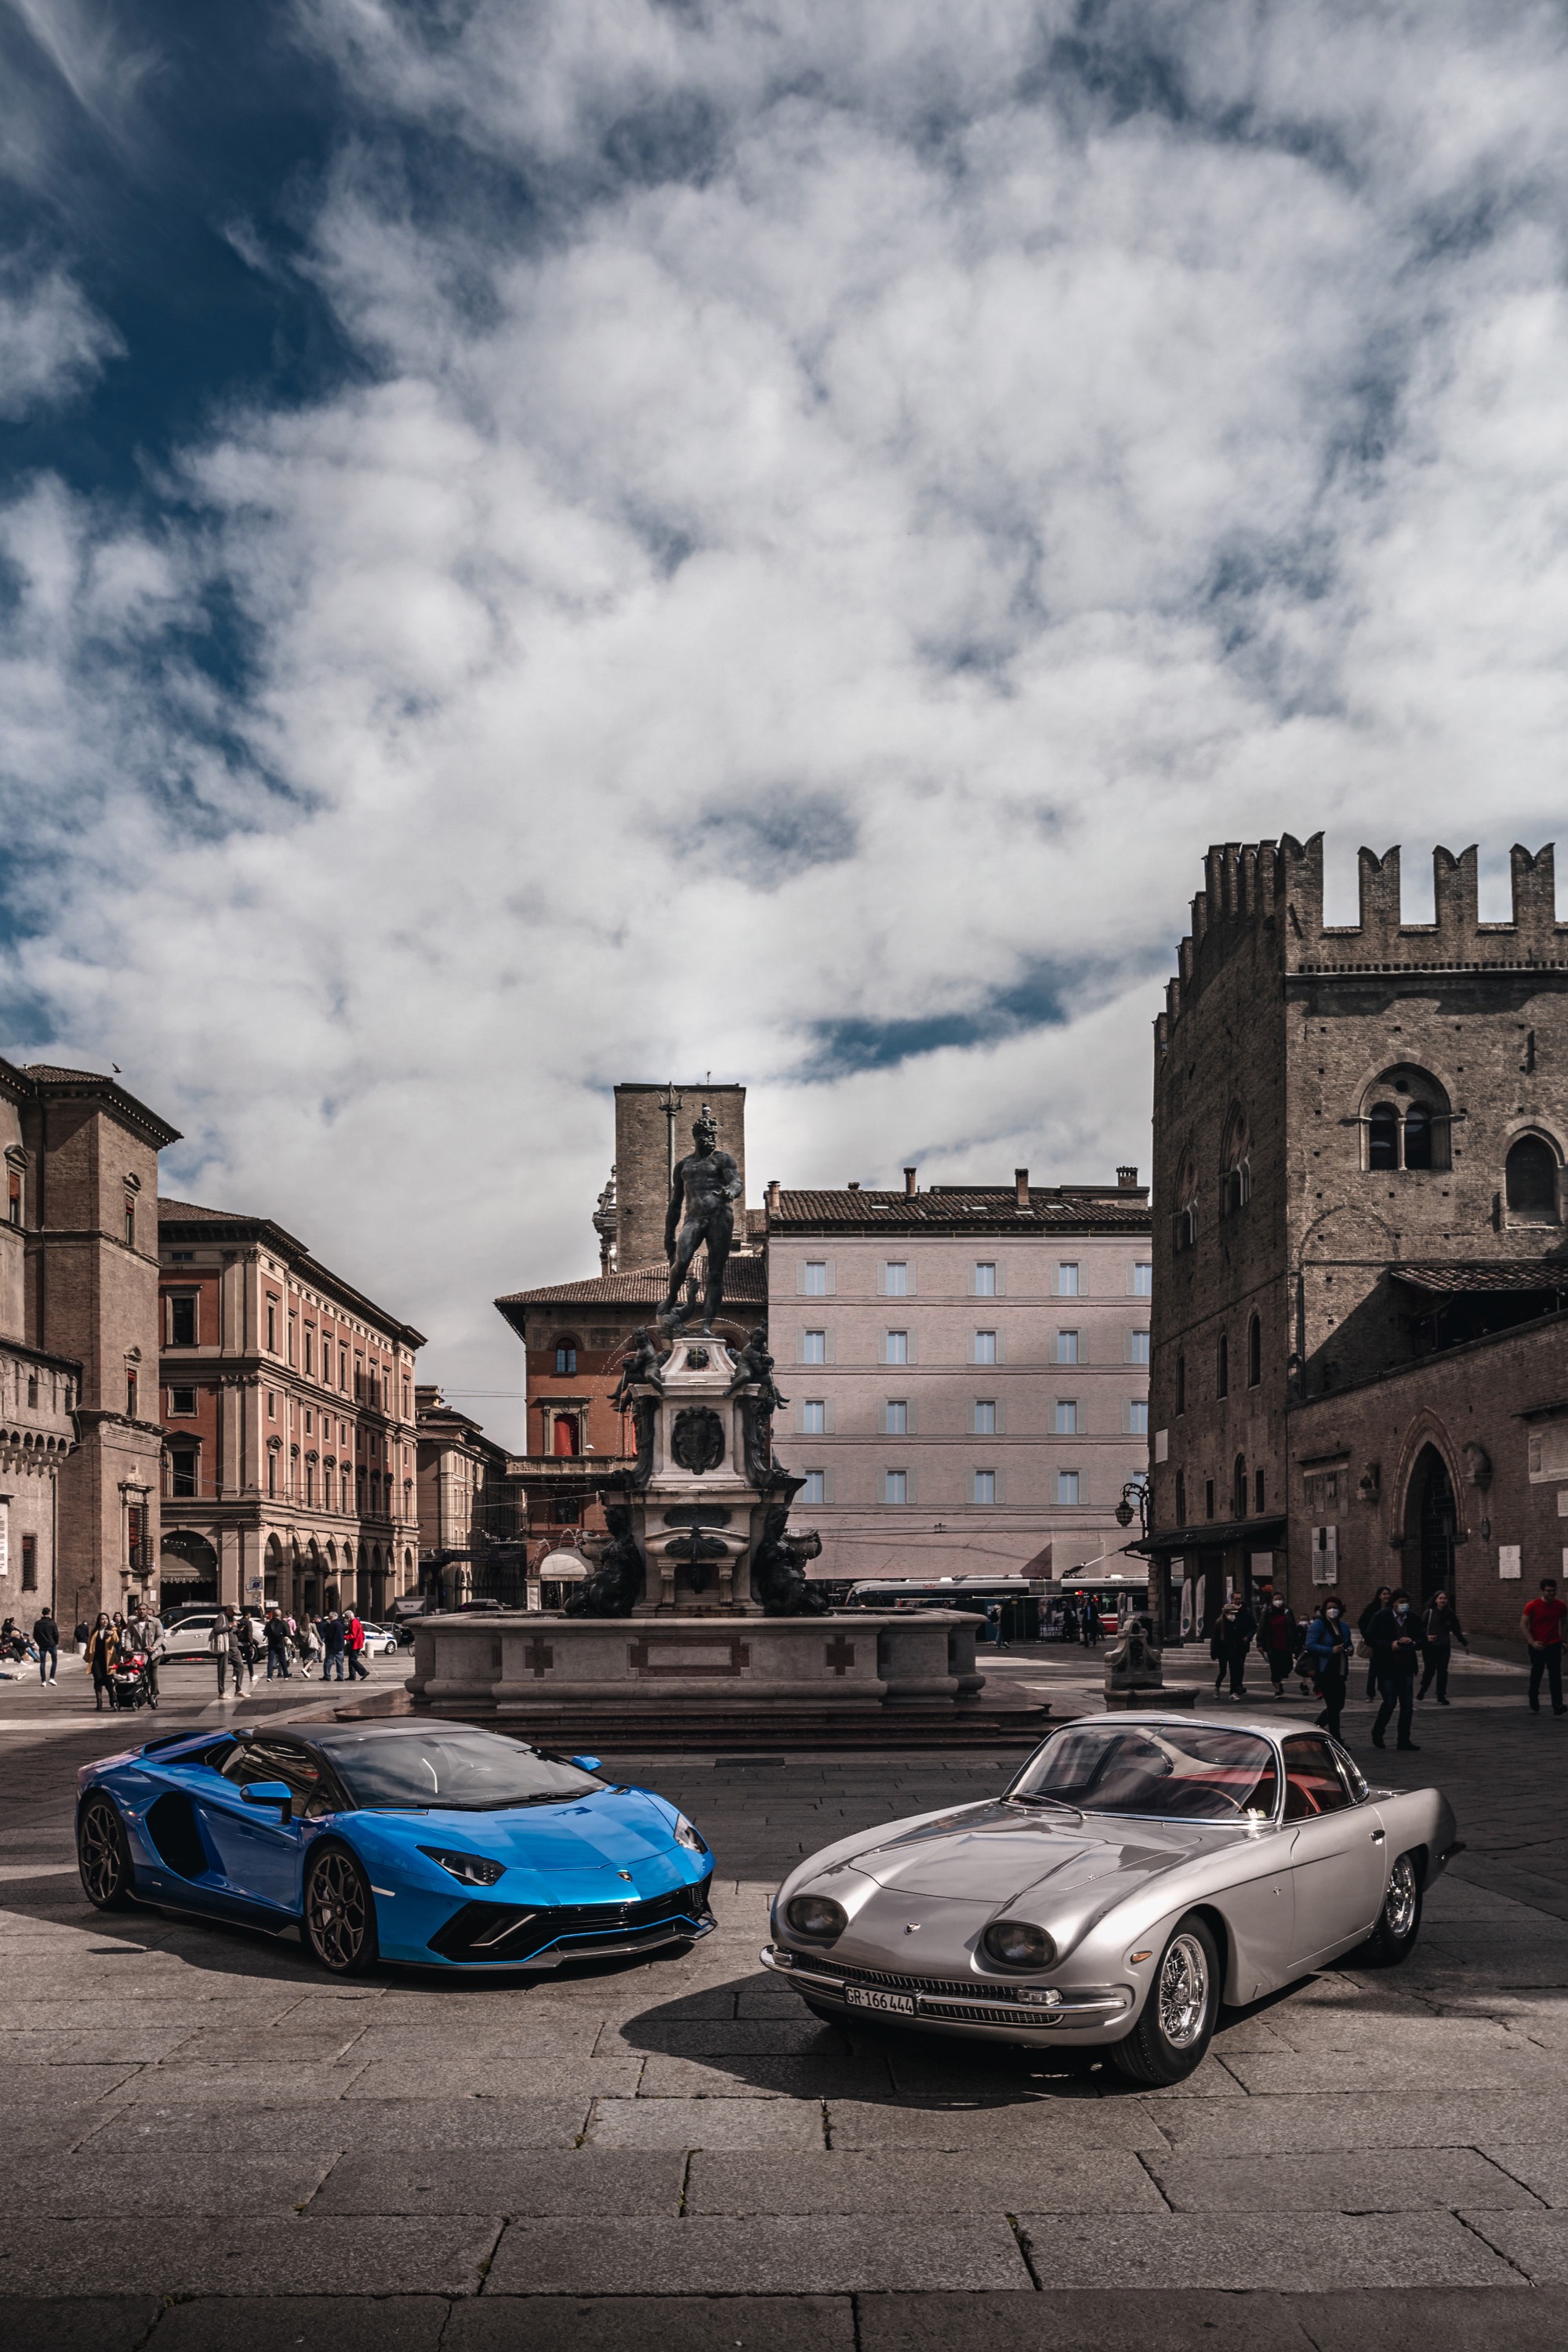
(130, 1682)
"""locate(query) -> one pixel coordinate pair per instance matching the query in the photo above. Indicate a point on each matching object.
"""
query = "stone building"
(288, 1398)
(1359, 1241)
(653, 1130)
(466, 1499)
(966, 1369)
(79, 1305)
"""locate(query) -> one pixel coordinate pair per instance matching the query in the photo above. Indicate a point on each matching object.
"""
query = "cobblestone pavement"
(209, 2147)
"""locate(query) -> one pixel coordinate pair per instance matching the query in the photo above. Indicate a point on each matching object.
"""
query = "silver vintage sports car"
(1141, 1869)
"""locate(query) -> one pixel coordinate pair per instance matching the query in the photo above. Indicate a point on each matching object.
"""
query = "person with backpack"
(277, 1646)
(331, 1629)
(353, 1644)
(1441, 1628)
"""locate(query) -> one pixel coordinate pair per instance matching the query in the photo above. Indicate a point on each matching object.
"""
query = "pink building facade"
(966, 1370)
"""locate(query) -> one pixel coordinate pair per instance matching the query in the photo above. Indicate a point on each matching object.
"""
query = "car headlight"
(689, 1836)
(473, 1869)
(816, 1916)
(1017, 1944)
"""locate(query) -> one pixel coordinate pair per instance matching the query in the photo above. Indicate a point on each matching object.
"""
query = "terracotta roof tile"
(1049, 1209)
(745, 1284)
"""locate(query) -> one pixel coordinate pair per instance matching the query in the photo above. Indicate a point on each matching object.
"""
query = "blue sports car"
(432, 1842)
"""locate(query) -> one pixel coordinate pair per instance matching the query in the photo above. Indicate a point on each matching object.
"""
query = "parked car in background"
(380, 1641)
(188, 1639)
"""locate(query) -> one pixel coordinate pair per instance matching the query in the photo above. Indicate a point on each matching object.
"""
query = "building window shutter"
(827, 1485)
(1001, 1417)
(828, 1416)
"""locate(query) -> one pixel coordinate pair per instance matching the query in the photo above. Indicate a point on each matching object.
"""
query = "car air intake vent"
(948, 1987)
(172, 1826)
(491, 1933)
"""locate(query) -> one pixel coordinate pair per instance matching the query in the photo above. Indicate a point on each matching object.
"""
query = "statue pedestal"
(697, 1516)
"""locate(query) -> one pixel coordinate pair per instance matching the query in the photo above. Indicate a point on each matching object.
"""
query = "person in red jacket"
(1542, 1625)
(354, 1643)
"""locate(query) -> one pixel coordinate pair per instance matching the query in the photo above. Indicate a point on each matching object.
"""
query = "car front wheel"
(102, 1856)
(1399, 1921)
(1178, 2018)
(339, 1922)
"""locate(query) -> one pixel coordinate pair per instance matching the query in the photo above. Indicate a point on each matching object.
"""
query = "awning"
(1460, 1280)
(1213, 1535)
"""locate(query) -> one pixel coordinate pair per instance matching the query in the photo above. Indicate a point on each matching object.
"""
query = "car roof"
(1184, 1721)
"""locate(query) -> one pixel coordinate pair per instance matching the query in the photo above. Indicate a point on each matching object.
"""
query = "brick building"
(653, 1130)
(966, 1370)
(288, 1398)
(79, 1303)
(1359, 1240)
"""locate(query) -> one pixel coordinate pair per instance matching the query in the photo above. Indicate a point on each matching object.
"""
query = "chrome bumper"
(1092, 2009)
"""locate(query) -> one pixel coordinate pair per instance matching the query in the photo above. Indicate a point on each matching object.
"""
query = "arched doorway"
(1430, 1521)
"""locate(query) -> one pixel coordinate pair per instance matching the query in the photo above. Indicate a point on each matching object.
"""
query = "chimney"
(854, 1184)
(1127, 1179)
(1021, 1186)
(910, 1183)
(772, 1196)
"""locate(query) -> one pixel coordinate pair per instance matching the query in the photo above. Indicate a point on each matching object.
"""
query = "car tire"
(1176, 2025)
(1399, 1921)
(103, 1855)
(338, 1916)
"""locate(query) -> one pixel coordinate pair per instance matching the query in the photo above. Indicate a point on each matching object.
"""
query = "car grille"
(942, 1987)
(486, 1933)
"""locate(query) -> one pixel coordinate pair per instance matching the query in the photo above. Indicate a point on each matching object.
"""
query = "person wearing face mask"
(1395, 1638)
(1328, 1653)
(1442, 1629)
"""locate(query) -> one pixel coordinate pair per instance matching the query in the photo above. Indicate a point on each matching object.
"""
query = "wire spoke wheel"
(1183, 1991)
(340, 1922)
(102, 1856)
(1401, 1906)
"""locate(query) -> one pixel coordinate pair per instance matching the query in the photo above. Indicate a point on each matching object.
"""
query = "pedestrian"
(994, 1619)
(1069, 1621)
(224, 1644)
(1093, 1630)
(1229, 1643)
(1542, 1625)
(46, 1634)
(1277, 1642)
(1440, 1629)
(1380, 1600)
(1394, 1635)
(102, 1657)
(147, 1635)
(353, 1644)
(332, 1633)
(277, 1646)
(1328, 1653)
(306, 1646)
(81, 1636)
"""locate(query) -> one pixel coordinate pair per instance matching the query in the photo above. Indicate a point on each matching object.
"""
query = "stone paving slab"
(400, 2125)
(584, 2180)
(1087, 2320)
(792, 2323)
(249, 2254)
(707, 2122)
(1542, 2170)
(83, 2324)
(819, 2254)
(1537, 2243)
(245, 2082)
(100, 2182)
(1054, 2126)
(1345, 2119)
(440, 2070)
(1403, 2181)
(287, 2323)
(905, 2181)
(761, 2077)
(1249, 2250)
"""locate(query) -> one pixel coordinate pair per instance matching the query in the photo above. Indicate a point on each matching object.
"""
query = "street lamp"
(1134, 1503)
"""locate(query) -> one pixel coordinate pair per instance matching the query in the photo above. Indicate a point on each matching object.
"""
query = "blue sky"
(542, 543)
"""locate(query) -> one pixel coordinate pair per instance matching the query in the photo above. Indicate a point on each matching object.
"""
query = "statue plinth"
(1135, 1672)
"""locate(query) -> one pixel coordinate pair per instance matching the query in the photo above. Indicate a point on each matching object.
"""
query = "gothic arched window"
(1532, 1182)
(1404, 1119)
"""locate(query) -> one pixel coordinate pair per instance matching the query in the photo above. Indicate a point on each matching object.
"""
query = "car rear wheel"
(339, 1922)
(1178, 2018)
(102, 1856)
(1399, 1921)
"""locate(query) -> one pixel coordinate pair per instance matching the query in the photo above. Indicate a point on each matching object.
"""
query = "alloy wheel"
(101, 1854)
(1400, 1907)
(336, 1911)
(1183, 1993)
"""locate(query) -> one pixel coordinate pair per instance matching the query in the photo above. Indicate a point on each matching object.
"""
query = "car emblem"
(626, 1874)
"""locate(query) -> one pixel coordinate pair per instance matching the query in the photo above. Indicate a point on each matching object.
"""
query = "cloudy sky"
(551, 541)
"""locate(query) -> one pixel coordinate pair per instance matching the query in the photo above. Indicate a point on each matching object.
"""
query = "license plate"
(903, 2004)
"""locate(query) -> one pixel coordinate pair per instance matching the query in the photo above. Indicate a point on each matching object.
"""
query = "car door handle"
(1378, 1836)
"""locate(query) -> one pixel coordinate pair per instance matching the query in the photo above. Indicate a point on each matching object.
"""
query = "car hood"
(611, 1830)
(995, 1853)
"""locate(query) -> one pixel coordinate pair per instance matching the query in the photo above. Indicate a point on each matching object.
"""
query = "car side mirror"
(584, 1763)
(269, 1792)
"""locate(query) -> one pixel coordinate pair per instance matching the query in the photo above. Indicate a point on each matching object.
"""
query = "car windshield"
(466, 1771)
(1191, 1772)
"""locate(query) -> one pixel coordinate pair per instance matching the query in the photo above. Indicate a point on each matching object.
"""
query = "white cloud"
(52, 342)
(850, 504)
